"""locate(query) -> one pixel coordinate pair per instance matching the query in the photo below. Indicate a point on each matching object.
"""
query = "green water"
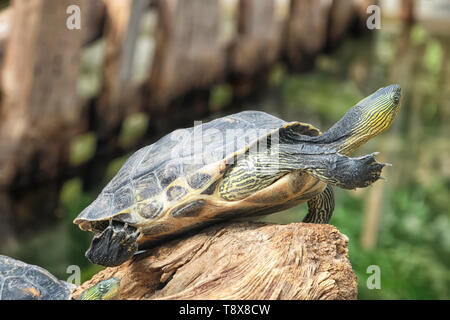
(409, 239)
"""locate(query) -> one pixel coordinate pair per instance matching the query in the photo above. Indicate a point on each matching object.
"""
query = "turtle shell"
(152, 170)
(21, 281)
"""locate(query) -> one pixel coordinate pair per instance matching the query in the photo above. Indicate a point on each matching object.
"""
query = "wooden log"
(306, 32)
(123, 19)
(39, 78)
(188, 51)
(258, 40)
(244, 260)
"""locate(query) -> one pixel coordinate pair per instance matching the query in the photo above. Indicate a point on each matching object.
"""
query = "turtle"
(242, 165)
(22, 281)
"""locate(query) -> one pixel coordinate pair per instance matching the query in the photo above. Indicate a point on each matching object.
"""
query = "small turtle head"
(368, 118)
(379, 110)
(105, 290)
(114, 245)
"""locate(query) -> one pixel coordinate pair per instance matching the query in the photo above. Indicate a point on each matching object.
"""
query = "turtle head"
(115, 235)
(105, 290)
(368, 118)
(114, 245)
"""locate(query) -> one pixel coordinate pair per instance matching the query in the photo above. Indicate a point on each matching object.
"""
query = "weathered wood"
(306, 31)
(95, 15)
(123, 19)
(259, 37)
(39, 79)
(188, 52)
(342, 12)
(407, 11)
(242, 261)
(5, 29)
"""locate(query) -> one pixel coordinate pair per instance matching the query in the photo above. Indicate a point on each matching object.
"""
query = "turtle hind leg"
(320, 208)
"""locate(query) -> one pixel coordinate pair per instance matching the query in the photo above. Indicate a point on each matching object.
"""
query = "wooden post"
(123, 19)
(188, 53)
(39, 79)
(259, 37)
(306, 32)
(342, 12)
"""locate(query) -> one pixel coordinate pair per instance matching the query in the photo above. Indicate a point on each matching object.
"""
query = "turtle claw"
(363, 171)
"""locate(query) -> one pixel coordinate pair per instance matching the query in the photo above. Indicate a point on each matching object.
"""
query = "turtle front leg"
(345, 172)
(320, 208)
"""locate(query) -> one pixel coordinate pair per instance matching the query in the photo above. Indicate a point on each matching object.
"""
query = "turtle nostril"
(396, 99)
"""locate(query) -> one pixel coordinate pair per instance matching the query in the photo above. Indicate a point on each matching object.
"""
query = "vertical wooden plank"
(95, 18)
(123, 19)
(39, 79)
(5, 26)
(188, 53)
(306, 31)
(407, 13)
(342, 13)
(259, 36)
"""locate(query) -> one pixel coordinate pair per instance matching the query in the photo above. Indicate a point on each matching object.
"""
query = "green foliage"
(82, 148)
(221, 96)
(413, 247)
(418, 35)
(133, 128)
(326, 96)
(433, 56)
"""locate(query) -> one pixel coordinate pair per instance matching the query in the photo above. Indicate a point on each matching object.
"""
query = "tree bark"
(243, 260)
(259, 37)
(306, 32)
(342, 13)
(39, 105)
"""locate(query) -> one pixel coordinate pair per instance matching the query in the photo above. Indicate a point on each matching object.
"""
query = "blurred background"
(77, 102)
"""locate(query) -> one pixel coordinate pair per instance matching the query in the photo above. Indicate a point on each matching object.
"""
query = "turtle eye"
(395, 98)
